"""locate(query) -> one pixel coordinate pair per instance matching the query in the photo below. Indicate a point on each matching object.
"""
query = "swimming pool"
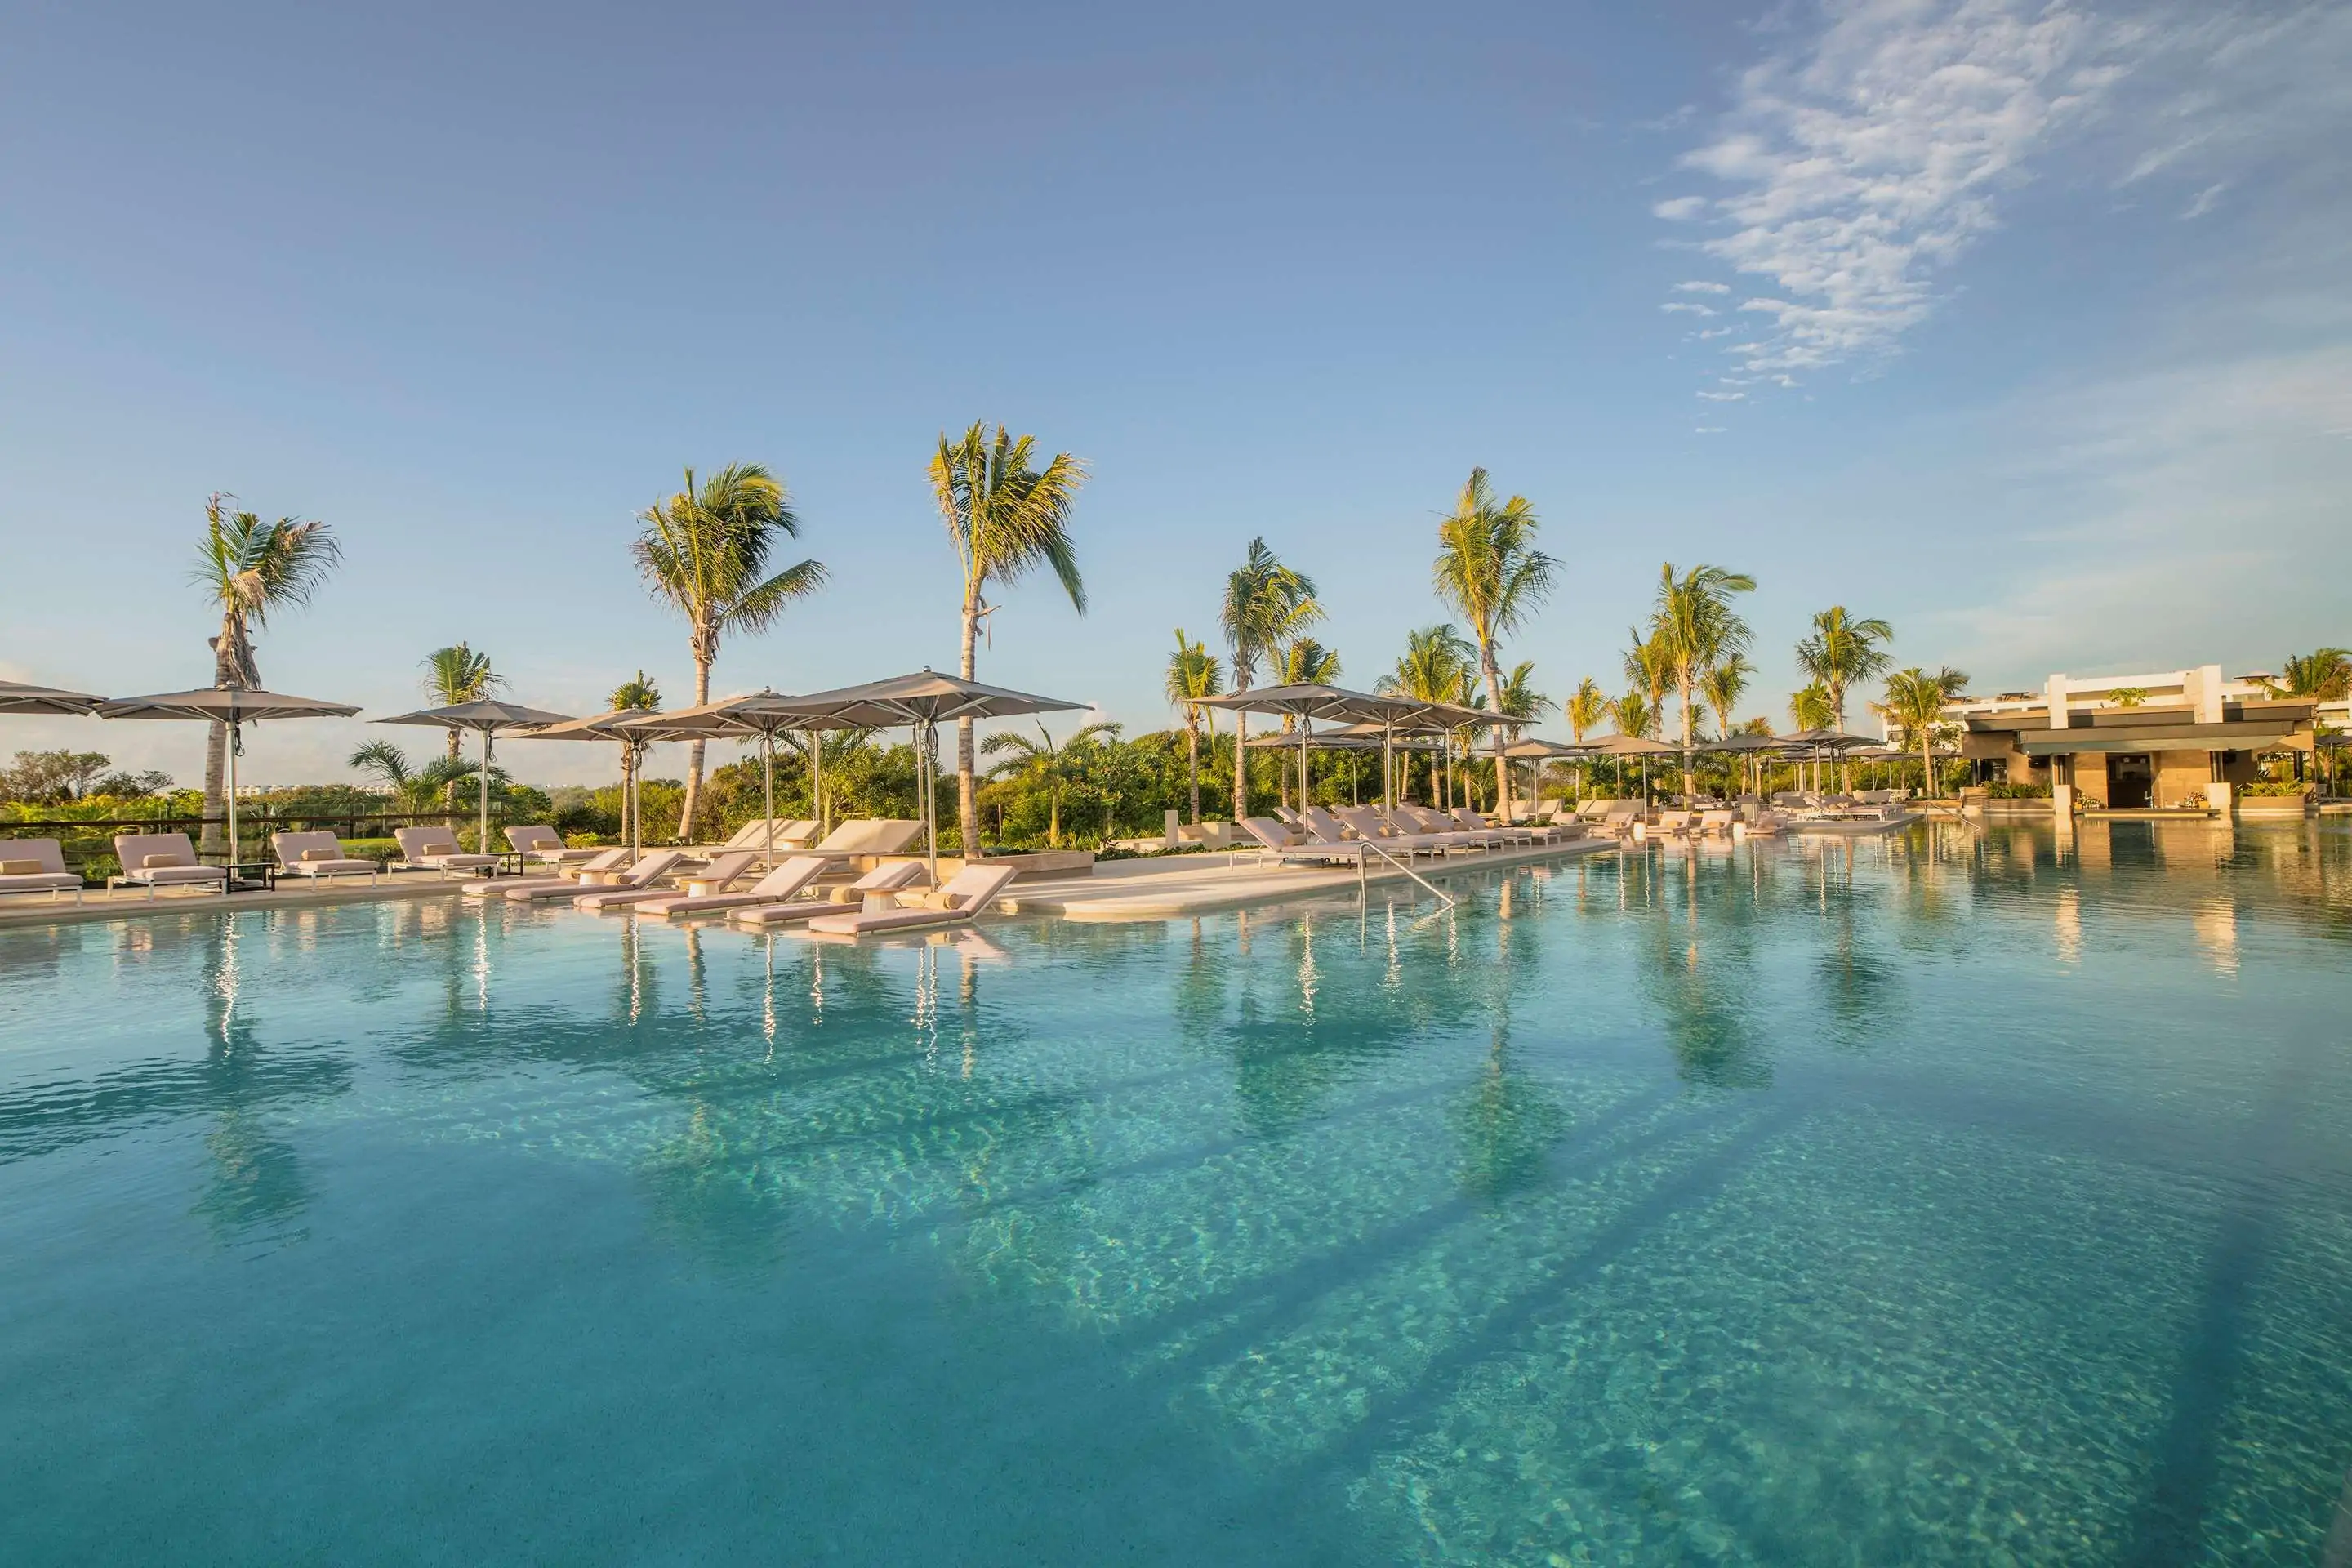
(1927, 1199)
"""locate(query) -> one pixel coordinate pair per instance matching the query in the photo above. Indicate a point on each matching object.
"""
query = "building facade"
(2160, 739)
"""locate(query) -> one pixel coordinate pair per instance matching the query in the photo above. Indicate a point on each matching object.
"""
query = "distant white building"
(2159, 738)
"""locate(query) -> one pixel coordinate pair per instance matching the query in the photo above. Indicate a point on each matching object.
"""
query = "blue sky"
(2022, 324)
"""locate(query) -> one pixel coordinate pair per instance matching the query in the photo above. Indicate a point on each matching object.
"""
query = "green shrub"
(2273, 788)
(2001, 789)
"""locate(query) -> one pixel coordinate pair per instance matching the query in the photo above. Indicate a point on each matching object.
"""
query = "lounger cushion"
(161, 862)
(21, 868)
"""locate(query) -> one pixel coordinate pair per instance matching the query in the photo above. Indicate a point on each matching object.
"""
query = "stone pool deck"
(1149, 889)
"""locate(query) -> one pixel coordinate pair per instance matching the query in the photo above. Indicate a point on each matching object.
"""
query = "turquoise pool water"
(1939, 1199)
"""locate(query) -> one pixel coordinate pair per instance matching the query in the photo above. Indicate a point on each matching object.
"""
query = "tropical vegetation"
(1005, 517)
(1489, 570)
(1266, 607)
(248, 569)
(705, 553)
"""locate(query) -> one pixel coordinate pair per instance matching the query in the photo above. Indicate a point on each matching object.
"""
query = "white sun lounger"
(721, 871)
(37, 866)
(153, 860)
(649, 869)
(436, 849)
(614, 859)
(317, 855)
(954, 902)
(786, 882)
(886, 879)
(539, 841)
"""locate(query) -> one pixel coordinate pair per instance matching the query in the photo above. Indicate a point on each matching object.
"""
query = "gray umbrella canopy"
(760, 713)
(1307, 702)
(1824, 740)
(922, 702)
(1624, 746)
(485, 717)
(229, 706)
(615, 726)
(15, 697)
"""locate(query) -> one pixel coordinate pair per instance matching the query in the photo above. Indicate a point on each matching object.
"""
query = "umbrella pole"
(767, 791)
(482, 832)
(233, 738)
(923, 743)
(816, 782)
(1305, 732)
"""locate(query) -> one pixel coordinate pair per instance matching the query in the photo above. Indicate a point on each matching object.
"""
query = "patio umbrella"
(1395, 715)
(1532, 750)
(18, 698)
(1622, 746)
(487, 717)
(1306, 702)
(922, 702)
(1817, 742)
(760, 713)
(1747, 747)
(229, 706)
(620, 724)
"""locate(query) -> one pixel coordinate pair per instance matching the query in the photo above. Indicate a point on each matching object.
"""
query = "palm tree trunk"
(967, 791)
(694, 754)
(1494, 696)
(227, 675)
(1690, 786)
(1845, 762)
(1192, 751)
(1240, 765)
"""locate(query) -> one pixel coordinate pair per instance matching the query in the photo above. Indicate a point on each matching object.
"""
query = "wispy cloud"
(1709, 429)
(1702, 289)
(2204, 200)
(1725, 396)
(1686, 307)
(1870, 154)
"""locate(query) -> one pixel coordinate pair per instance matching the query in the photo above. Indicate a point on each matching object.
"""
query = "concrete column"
(2055, 692)
(1169, 821)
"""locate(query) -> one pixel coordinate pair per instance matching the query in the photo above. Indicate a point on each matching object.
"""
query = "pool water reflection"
(1953, 1198)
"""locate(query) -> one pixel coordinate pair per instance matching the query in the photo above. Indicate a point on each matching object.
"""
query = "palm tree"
(1044, 762)
(248, 568)
(1697, 629)
(1489, 569)
(1435, 662)
(705, 553)
(416, 789)
(1648, 669)
(1267, 606)
(1585, 709)
(1810, 709)
(1005, 518)
(453, 675)
(639, 694)
(1915, 701)
(1193, 674)
(1723, 687)
(1636, 715)
(1841, 653)
(2324, 675)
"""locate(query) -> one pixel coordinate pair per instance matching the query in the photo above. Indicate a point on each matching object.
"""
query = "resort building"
(2167, 738)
